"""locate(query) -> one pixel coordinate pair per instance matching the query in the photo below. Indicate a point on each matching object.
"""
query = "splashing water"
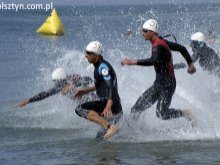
(199, 92)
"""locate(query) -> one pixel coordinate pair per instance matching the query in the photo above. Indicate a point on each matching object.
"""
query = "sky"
(107, 2)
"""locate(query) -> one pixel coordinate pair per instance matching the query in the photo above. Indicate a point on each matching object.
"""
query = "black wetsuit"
(106, 88)
(76, 80)
(208, 59)
(164, 86)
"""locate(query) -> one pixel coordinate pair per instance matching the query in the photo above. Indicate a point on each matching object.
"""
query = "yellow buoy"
(52, 26)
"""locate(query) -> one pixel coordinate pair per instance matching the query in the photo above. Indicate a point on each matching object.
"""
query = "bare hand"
(191, 69)
(127, 62)
(23, 103)
(107, 112)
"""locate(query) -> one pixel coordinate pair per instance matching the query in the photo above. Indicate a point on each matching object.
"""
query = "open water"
(49, 132)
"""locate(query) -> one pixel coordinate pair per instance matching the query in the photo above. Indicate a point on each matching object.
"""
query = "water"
(62, 147)
(49, 132)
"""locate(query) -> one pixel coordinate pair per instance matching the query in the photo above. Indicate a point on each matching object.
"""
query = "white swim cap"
(151, 25)
(58, 74)
(95, 47)
(198, 36)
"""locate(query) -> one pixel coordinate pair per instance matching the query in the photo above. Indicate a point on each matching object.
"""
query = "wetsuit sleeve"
(145, 62)
(155, 58)
(179, 48)
(45, 94)
(104, 72)
(195, 56)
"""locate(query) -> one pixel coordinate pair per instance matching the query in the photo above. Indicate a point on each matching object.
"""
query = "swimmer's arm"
(157, 53)
(180, 48)
(177, 47)
(84, 91)
(90, 88)
(44, 94)
(127, 61)
(107, 112)
(39, 97)
(143, 62)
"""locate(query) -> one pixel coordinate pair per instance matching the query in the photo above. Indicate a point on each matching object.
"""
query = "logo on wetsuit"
(105, 72)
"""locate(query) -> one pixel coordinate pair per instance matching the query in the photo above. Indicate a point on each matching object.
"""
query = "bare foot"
(189, 116)
(111, 131)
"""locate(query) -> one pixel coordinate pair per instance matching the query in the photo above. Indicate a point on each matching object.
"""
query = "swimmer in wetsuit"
(208, 59)
(164, 86)
(107, 110)
(66, 85)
